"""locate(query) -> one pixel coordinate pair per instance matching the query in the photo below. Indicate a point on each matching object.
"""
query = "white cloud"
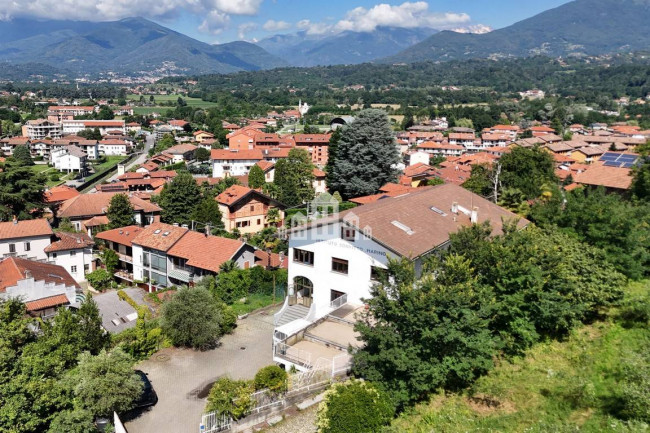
(276, 26)
(406, 15)
(215, 13)
(242, 29)
(477, 29)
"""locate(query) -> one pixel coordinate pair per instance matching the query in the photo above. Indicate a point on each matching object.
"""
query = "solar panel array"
(616, 159)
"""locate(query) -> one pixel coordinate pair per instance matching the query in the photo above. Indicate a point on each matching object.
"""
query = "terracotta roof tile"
(13, 269)
(88, 205)
(609, 177)
(233, 194)
(122, 235)
(205, 252)
(49, 302)
(69, 241)
(159, 236)
(25, 228)
(60, 193)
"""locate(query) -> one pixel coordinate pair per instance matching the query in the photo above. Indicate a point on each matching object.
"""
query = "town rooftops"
(265, 165)
(122, 235)
(233, 194)
(181, 149)
(97, 204)
(69, 241)
(14, 269)
(444, 145)
(60, 193)
(159, 236)
(233, 154)
(205, 252)
(608, 177)
(25, 228)
(416, 223)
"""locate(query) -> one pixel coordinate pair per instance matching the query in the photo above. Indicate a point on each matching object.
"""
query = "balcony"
(125, 258)
(123, 275)
(181, 274)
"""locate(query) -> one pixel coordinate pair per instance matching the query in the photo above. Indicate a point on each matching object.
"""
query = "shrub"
(100, 279)
(55, 177)
(354, 406)
(272, 378)
(230, 397)
(635, 387)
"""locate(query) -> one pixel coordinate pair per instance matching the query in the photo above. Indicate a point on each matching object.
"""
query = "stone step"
(292, 313)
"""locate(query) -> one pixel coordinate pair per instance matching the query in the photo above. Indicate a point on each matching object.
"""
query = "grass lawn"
(557, 387)
(192, 102)
(254, 302)
(111, 161)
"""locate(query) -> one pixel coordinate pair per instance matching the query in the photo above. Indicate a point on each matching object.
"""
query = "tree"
(256, 177)
(105, 113)
(192, 318)
(120, 212)
(164, 143)
(99, 279)
(207, 212)
(641, 182)
(93, 337)
(230, 397)
(106, 383)
(73, 421)
(178, 199)
(21, 192)
(272, 377)
(294, 177)
(423, 335)
(202, 154)
(110, 260)
(232, 285)
(354, 406)
(464, 123)
(366, 156)
(527, 170)
(22, 155)
(90, 134)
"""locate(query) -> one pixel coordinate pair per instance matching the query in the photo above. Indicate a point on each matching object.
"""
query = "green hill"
(578, 28)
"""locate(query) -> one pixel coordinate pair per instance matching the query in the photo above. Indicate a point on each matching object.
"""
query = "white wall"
(236, 167)
(36, 246)
(30, 290)
(77, 262)
(113, 150)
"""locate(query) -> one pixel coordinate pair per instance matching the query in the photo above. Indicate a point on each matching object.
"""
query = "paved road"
(179, 375)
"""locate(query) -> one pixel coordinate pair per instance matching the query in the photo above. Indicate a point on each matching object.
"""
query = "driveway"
(182, 378)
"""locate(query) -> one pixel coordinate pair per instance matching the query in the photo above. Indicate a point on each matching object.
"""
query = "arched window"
(303, 286)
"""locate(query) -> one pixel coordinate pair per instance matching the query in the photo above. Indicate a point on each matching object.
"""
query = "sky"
(219, 21)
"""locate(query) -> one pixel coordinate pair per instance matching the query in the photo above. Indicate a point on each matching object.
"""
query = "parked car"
(149, 396)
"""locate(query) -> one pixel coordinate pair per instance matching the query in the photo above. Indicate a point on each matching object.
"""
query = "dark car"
(148, 397)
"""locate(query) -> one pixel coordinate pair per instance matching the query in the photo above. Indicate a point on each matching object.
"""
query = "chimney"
(28, 274)
(454, 207)
(474, 218)
(15, 220)
(207, 230)
(175, 224)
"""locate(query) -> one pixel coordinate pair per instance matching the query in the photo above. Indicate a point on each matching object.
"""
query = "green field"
(111, 161)
(47, 171)
(572, 385)
(192, 102)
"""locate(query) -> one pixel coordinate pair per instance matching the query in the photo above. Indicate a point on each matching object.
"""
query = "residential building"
(162, 130)
(43, 287)
(76, 126)
(491, 140)
(120, 240)
(73, 252)
(247, 210)
(319, 181)
(181, 152)
(442, 149)
(233, 162)
(316, 144)
(70, 159)
(40, 128)
(462, 139)
(87, 212)
(200, 136)
(178, 125)
(539, 131)
(58, 113)
(91, 147)
(114, 147)
(269, 170)
(26, 238)
(8, 144)
(510, 130)
(334, 261)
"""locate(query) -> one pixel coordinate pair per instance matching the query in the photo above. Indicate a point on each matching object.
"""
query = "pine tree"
(178, 199)
(94, 339)
(256, 177)
(21, 192)
(365, 157)
(294, 178)
(22, 155)
(120, 212)
(207, 212)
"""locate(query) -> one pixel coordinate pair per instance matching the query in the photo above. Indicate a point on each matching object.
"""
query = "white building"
(73, 252)
(232, 162)
(26, 239)
(76, 126)
(335, 260)
(40, 128)
(113, 147)
(70, 159)
(43, 287)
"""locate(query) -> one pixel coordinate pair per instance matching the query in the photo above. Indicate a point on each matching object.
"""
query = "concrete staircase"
(292, 313)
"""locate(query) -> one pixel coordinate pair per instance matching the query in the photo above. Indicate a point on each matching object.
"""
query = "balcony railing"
(181, 274)
(291, 354)
(125, 258)
(124, 275)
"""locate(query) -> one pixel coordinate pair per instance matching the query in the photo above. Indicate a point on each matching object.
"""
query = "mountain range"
(130, 45)
(578, 28)
(304, 49)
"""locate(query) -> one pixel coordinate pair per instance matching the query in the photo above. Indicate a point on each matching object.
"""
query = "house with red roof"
(316, 144)
(247, 210)
(25, 238)
(43, 287)
(234, 162)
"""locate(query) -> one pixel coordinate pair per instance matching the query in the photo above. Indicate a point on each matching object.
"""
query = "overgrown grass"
(253, 302)
(572, 385)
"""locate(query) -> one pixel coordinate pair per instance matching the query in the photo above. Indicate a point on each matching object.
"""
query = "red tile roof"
(159, 236)
(233, 194)
(60, 193)
(69, 241)
(205, 252)
(97, 204)
(49, 302)
(13, 269)
(262, 259)
(122, 235)
(265, 165)
(25, 228)
(609, 177)
(318, 172)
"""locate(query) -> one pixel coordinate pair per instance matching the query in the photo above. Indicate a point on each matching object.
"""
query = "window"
(259, 221)
(303, 256)
(54, 255)
(376, 273)
(28, 246)
(339, 265)
(73, 269)
(347, 234)
(252, 208)
(86, 268)
(73, 253)
(12, 248)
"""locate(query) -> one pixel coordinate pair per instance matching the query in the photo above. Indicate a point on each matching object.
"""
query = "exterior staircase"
(294, 312)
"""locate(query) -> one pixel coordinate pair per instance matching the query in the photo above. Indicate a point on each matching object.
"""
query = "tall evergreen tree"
(22, 155)
(94, 339)
(294, 178)
(120, 212)
(332, 150)
(21, 192)
(207, 212)
(366, 156)
(256, 177)
(178, 199)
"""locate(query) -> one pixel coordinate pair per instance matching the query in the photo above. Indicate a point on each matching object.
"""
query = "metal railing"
(293, 355)
(125, 258)
(339, 302)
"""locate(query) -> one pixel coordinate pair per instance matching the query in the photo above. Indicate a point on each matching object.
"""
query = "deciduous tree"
(120, 212)
(294, 177)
